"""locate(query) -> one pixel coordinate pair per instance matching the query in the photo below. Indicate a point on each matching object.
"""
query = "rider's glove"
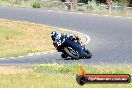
(77, 38)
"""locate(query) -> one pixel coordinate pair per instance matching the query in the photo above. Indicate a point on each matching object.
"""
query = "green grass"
(4, 3)
(21, 38)
(52, 76)
(72, 69)
(13, 3)
(50, 80)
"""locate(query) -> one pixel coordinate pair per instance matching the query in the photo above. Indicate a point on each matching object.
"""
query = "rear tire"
(69, 52)
(88, 54)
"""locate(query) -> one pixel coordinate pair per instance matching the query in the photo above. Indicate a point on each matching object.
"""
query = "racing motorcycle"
(69, 50)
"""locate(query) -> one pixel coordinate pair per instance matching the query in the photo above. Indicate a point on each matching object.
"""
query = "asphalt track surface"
(111, 37)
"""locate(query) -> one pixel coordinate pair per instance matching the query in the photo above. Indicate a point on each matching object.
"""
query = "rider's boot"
(63, 55)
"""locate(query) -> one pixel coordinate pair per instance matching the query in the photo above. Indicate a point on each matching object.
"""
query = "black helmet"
(53, 35)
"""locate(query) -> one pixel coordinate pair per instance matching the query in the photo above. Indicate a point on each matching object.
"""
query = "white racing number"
(59, 41)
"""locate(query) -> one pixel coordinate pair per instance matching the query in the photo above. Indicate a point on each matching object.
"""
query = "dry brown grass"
(23, 77)
(20, 38)
(14, 70)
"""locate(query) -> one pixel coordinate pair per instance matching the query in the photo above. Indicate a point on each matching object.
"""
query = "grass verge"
(21, 38)
(52, 76)
(14, 3)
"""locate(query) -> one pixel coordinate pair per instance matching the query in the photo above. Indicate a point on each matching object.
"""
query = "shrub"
(55, 68)
(36, 5)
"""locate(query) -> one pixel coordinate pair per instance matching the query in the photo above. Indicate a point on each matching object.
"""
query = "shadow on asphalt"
(65, 59)
(71, 58)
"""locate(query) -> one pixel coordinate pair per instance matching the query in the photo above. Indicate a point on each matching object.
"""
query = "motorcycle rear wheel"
(71, 52)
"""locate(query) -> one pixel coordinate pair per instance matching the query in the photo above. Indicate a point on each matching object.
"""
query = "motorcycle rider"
(60, 38)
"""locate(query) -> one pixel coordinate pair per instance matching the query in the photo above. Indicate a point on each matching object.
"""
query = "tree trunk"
(73, 5)
(110, 5)
(130, 3)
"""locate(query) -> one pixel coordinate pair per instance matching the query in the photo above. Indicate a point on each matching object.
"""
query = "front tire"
(71, 52)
